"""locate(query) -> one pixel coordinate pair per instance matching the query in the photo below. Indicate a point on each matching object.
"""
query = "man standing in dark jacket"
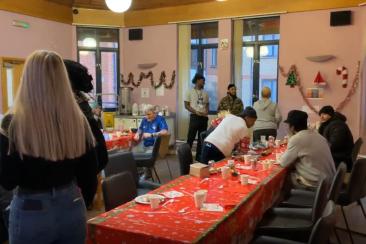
(334, 128)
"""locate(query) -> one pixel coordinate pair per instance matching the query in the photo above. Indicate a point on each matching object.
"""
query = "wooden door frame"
(3, 83)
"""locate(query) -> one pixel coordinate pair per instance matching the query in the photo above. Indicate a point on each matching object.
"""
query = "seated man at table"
(151, 126)
(221, 142)
(334, 128)
(308, 152)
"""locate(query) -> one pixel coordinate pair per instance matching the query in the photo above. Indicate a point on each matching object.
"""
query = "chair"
(319, 234)
(355, 190)
(293, 223)
(148, 159)
(124, 161)
(356, 149)
(305, 199)
(164, 150)
(115, 190)
(185, 158)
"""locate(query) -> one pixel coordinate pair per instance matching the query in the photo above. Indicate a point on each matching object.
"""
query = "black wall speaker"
(134, 34)
(340, 18)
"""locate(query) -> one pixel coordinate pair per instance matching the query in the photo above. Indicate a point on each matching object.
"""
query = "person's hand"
(147, 135)
(136, 137)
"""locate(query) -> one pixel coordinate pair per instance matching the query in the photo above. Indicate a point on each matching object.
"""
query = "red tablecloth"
(244, 206)
(122, 142)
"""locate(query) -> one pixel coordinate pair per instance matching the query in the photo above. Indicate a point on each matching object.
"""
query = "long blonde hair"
(46, 120)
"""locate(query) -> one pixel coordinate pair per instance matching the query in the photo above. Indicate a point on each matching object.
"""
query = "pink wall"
(309, 34)
(159, 45)
(224, 58)
(43, 34)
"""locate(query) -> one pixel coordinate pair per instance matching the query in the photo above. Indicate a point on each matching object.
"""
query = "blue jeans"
(57, 216)
(211, 152)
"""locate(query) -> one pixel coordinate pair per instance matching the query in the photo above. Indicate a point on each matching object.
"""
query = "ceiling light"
(249, 51)
(264, 50)
(220, 0)
(118, 6)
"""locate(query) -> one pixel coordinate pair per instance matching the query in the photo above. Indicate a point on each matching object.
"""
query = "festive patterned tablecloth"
(121, 142)
(179, 221)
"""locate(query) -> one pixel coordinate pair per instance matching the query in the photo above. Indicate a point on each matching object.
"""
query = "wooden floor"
(353, 212)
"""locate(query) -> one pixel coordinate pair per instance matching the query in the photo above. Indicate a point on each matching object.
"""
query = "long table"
(178, 221)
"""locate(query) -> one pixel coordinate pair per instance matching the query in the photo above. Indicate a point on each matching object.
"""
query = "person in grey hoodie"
(269, 116)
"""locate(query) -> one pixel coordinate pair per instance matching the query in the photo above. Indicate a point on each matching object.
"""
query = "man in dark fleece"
(334, 128)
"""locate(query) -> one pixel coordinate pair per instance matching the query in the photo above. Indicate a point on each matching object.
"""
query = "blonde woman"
(46, 146)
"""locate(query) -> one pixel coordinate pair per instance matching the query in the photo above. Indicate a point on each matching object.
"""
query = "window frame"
(98, 50)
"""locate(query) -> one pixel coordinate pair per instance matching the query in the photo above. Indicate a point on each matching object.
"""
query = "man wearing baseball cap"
(308, 152)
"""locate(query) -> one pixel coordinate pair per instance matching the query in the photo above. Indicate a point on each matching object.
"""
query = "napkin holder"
(199, 170)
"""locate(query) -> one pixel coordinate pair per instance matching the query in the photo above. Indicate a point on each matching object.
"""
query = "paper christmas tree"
(291, 79)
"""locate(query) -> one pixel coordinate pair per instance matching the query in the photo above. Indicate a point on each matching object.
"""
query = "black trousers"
(197, 124)
(211, 152)
(265, 132)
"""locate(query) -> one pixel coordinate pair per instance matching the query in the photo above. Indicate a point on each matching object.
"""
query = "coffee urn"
(124, 100)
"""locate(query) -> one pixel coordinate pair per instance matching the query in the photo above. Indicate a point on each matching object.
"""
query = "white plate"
(145, 199)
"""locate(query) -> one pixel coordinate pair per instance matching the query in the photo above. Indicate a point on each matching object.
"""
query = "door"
(11, 72)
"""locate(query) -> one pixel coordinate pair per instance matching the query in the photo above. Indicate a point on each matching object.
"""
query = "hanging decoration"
(344, 72)
(342, 104)
(319, 81)
(292, 76)
(149, 75)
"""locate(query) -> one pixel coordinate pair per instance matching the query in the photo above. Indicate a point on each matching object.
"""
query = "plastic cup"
(278, 143)
(225, 172)
(199, 198)
(244, 179)
(253, 163)
(278, 157)
(154, 202)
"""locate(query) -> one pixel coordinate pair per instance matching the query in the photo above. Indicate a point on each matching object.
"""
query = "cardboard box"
(199, 170)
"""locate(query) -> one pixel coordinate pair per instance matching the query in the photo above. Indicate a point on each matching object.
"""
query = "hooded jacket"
(268, 115)
(339, 137)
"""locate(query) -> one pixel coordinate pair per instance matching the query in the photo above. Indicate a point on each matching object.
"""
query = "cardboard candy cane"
(344, 72)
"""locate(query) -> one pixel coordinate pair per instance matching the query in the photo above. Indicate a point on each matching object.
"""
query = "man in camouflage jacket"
(231, 102)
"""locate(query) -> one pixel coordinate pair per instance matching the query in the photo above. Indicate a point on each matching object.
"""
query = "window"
(98, 50)
(204, 43)
(260, 58)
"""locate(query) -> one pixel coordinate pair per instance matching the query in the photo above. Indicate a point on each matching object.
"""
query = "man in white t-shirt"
(221, 142)
(308, 152)
(196, 102)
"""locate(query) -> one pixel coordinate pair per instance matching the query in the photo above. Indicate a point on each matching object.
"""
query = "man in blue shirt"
(151, 126)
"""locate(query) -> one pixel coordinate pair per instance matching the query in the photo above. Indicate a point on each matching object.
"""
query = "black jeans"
(197, 124)
(265, 132)
(211, 152)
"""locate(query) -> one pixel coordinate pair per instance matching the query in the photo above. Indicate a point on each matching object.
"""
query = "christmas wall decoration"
(149, 75)
(343, 72)
(292, 76)
(319, 80)
(342, 104)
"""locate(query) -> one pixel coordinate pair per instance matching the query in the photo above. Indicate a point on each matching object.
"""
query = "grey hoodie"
(269, 116)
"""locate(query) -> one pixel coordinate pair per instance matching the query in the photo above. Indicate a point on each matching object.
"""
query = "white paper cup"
(199, 198)
(230, 163)
(154, 202)
(225, 172)
(263, 139)
(278, 143)
(247, 159)
(244, 179)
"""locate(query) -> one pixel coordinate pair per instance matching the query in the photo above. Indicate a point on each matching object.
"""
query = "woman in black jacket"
(334, 128)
